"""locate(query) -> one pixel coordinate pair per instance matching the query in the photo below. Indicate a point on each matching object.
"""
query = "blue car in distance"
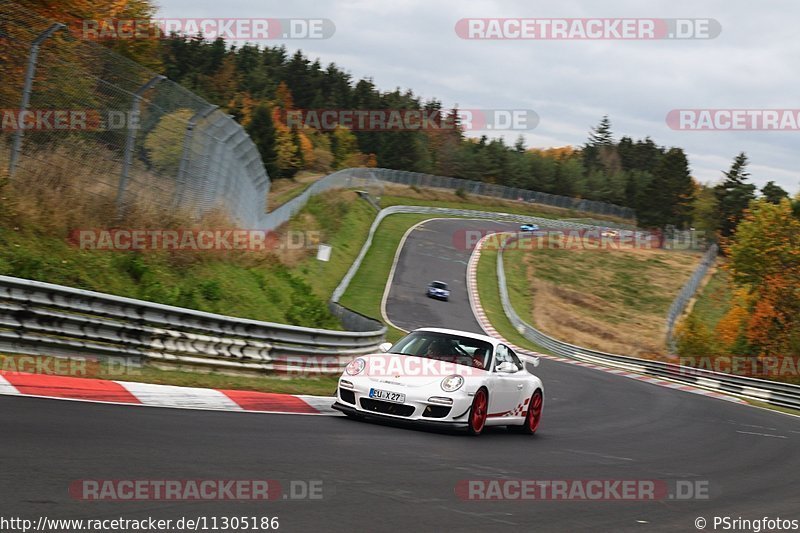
(438, 290)
(528, 227)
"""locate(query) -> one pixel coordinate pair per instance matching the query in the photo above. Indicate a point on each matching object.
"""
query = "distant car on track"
(438, 290)
(445, 378)
(529, 227)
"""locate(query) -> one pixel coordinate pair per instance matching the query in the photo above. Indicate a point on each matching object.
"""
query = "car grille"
(436, 411)
(387, 408)
(347, 395)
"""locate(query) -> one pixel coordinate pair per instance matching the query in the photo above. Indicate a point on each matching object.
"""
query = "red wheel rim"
(478, 415)
(535, 411)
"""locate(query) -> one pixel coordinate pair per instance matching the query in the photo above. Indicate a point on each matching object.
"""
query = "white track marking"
(762, 434)
(171, 396)
(7, 388)
(320, 403)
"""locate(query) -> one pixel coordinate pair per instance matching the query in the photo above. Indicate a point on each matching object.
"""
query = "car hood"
(413, 371)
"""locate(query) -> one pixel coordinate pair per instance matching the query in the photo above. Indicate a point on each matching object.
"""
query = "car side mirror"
(506, 367)
(385, 346)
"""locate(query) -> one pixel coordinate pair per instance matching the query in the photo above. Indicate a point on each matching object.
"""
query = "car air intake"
(436, 411)
(387, 408)
(347, 396)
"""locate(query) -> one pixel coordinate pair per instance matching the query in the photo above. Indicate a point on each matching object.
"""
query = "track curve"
(380, 477)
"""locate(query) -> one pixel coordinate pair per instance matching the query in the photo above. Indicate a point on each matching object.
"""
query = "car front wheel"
(534, 415)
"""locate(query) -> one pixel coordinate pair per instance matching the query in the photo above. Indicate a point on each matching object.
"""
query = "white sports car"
(443, 377)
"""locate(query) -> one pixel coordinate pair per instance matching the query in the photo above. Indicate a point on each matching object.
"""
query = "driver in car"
(435, 350)
(478, 357)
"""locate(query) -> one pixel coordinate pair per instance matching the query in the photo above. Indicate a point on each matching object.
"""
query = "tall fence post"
(26, 92)
(131, 139)
(187, 141)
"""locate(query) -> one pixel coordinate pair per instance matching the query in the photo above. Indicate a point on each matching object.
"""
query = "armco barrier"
(771, 392)
(45, 319)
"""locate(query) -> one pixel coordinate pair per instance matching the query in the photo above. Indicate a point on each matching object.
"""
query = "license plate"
(394, 397)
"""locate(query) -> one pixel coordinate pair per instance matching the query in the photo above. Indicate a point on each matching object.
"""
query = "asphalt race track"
(379, 477)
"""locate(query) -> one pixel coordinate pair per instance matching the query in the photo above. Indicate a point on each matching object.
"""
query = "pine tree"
(733, 195)
(262, 131)
(773, 193)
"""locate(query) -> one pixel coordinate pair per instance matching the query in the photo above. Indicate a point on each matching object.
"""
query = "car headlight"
(355, 367)
(452, 383)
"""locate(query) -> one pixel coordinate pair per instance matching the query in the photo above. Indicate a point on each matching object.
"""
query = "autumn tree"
(765, 261)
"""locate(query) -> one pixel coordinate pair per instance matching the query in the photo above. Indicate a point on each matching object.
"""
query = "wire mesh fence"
(688, 292)
(112, 134)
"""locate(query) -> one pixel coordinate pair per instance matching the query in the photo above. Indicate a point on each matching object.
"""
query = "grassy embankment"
(611, 300)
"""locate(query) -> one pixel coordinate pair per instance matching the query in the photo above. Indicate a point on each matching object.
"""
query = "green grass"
(713, 301)
(269, 287)
(489, 295)
(365, 291)
(345, 229)
(287, 195)
(295, 188)
(617, 299)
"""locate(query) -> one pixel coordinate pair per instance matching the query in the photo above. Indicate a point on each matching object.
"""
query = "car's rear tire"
(478, 412)
(533, 416)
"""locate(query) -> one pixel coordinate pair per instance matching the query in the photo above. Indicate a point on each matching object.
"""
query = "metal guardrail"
(44, 319)
(771, 392)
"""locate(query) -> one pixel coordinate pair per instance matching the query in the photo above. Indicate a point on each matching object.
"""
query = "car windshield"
(439, 285)
(445, 347)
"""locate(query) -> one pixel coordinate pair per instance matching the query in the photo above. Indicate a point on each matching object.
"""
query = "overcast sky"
(752, 64)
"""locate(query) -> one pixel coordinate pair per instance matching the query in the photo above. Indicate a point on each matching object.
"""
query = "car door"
(504, 398)
(523, 384)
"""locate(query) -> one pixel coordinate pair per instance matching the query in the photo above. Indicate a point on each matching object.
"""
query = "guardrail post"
(131, 140)
(26, 93)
